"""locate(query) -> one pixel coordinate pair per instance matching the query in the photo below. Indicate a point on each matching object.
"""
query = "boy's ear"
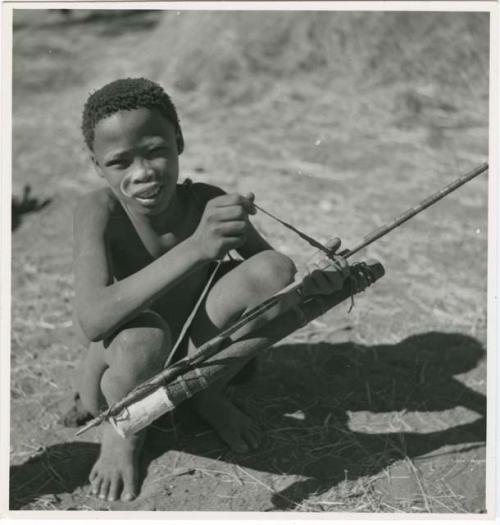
(180, 141)
(96, 165)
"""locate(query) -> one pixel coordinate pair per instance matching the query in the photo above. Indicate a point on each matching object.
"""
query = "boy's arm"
(101, 304)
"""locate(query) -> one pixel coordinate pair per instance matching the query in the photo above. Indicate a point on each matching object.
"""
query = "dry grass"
(336, 123)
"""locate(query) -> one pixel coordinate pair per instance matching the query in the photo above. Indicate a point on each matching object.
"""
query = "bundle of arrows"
(268, 322)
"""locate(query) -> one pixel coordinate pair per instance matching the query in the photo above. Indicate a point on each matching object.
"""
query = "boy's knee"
(272, 271)
(142, 345)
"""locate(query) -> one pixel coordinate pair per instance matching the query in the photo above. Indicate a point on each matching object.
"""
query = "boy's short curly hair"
(124, 94)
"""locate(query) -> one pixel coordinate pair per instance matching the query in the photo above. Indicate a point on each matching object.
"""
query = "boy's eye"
(158, 151)
(118, 164)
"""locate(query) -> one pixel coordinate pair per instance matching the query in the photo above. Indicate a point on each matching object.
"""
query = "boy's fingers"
(232, 199)
(233, 209)
(309, 285)
(361, 282)
(232, 243)
(250, 197)
(320, 259)
(320, 280)
(323, 282)
(336, 281)
(366, 276)
(333, 244)
(342, 266)
(368, 272)
(231, 229)
(230, 213)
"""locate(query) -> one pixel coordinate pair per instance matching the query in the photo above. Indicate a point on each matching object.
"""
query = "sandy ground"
(379, 410)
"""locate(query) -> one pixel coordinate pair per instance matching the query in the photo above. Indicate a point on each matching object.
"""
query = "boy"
(144, 249)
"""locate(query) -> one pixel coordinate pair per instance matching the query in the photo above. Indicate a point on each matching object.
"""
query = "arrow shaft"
(414, 210)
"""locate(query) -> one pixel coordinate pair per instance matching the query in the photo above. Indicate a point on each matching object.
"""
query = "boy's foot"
(234, 427)
(115, 474)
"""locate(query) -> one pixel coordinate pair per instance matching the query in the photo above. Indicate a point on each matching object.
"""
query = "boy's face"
(136, 152)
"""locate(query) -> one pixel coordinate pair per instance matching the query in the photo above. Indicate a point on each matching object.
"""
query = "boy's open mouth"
(148, 195)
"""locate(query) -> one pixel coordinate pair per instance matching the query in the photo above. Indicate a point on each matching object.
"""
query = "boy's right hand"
(223, 225)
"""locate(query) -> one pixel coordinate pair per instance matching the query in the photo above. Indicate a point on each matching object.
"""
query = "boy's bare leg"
(136, 353)
(253, 281)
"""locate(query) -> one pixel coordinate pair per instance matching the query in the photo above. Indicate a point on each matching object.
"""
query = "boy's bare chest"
(131, 250)
(134, 246)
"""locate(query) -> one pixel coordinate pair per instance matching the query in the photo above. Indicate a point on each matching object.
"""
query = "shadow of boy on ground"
(304, 393)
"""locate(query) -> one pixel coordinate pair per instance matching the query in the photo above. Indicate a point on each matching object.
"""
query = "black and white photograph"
(249, 259)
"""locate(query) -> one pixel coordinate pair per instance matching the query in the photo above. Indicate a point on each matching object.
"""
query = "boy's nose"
(143, 172)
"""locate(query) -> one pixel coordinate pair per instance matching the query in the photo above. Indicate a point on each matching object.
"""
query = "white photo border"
(493, 363)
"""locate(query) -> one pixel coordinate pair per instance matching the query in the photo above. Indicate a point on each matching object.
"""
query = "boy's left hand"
(325, 275)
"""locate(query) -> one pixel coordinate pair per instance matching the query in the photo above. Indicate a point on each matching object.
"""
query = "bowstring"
(313, 242)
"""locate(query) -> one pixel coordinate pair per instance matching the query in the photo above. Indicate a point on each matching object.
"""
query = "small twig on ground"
(394, 509)
(456, 497)
(215, 473)
(419, 482)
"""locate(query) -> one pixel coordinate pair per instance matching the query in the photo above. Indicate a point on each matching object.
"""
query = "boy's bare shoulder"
(203, 192)
(96, 209)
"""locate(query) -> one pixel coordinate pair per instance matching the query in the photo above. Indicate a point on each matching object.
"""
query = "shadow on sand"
(56, 469)
(324, 382)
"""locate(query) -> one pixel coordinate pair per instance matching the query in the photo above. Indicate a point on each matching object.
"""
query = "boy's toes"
(129, 486)
(103, 493)
(127, 496)
(95, 485)
(114, 489)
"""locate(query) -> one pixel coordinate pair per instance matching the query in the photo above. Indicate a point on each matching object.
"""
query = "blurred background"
(337, 121)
